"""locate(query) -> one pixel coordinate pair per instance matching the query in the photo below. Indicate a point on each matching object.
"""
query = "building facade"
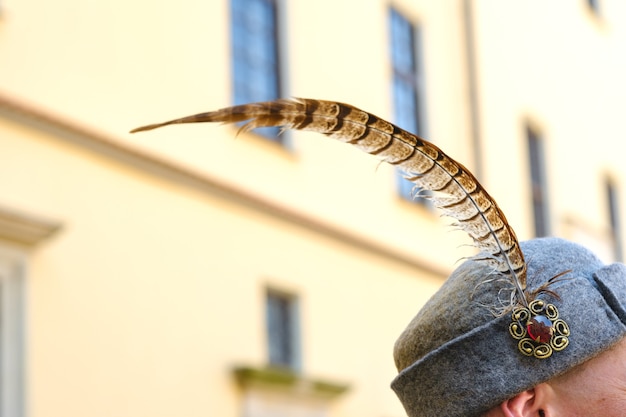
(186, 272)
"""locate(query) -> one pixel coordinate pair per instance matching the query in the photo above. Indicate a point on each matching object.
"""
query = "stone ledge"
(24, 228)
(286, 379)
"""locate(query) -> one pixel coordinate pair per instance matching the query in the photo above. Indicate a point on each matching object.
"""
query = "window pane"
(281, 329)
(614, 220)
(405, 105)
(538, 183)
(402, 45)
(255, 54)
(405, 86)
(11, 334)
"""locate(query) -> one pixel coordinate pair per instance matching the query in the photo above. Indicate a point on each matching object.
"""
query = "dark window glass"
(539, 195)
(614, 220)
(282, 322)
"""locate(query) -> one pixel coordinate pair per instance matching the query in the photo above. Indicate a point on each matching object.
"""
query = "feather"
(454, 188)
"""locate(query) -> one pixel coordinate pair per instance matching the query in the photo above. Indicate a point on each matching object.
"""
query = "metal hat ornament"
(453, 189)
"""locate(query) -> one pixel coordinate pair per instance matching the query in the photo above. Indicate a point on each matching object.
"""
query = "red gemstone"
(540, 329)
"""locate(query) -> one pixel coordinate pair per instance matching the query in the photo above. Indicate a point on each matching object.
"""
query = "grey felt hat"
(457, 359)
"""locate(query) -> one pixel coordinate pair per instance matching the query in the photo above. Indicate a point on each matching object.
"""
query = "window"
(11, 334)
(539, 195)
(407, 85)
(594, 6)
(614, 220)
(28, 231)
(282, 330)
(255, 52)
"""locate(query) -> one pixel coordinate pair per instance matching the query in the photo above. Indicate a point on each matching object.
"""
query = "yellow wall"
(153, 291)
(559, 67)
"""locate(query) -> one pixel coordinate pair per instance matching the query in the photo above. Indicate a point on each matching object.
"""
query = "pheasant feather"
(454, 188)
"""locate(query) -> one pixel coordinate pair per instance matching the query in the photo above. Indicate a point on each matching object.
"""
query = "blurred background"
(183, 272)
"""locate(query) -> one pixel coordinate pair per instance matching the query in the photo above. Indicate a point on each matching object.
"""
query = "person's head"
(457, 359)
(597, 388)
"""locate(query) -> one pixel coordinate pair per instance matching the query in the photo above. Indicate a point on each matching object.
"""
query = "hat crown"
(456, 358)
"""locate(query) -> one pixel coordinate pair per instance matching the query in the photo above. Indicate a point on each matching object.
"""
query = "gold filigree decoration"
(558, 332)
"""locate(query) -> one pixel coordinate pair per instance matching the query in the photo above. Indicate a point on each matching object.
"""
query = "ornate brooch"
(539, 329)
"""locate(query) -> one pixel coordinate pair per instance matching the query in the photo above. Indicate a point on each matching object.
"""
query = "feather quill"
(454, 188)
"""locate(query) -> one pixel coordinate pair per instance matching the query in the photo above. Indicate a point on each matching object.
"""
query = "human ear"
(534, 402)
